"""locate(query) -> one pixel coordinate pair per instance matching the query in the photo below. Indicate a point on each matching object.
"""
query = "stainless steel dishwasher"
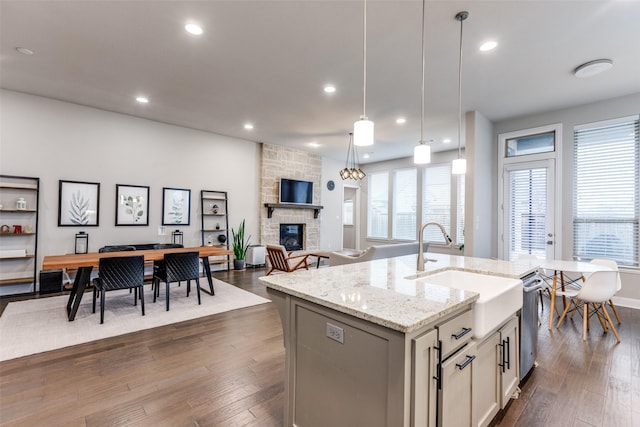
(531, 284)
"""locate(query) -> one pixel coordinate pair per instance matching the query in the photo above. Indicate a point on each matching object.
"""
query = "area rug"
(38, 325)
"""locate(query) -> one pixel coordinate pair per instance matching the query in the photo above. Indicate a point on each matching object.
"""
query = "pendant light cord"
(460, 17)
(364, 62)
(422, 90)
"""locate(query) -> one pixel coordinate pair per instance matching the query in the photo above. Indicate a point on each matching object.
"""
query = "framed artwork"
(132, 205)
(78, 204)
(176, 206)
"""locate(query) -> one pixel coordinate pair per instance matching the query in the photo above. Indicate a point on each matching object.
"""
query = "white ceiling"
(266, 62)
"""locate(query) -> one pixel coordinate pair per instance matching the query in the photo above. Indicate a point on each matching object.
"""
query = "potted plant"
(240, 246)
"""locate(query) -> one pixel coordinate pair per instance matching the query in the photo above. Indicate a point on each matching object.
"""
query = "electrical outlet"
(335, 333)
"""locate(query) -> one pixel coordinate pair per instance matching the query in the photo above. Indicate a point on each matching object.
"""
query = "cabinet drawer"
(455, 333)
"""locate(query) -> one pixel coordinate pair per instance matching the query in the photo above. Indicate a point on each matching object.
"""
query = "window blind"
(606, 191)
(436, 200)
(378, 212)
(404, 204)
(460, 213)
(527, 212)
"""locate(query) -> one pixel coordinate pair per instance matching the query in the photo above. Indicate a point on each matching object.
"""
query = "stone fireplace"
(292, 236)
(284, 162)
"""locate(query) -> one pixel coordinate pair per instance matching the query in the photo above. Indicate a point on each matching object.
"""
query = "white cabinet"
(457, 382)
(509, 368)
(424, 387)
(486, 379)
(495, 375)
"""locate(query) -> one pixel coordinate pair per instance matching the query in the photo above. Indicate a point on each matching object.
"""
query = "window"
(404, 204)
(606, 198)
(436, 200)
(531, 144)
(460, 213)
(378, 211)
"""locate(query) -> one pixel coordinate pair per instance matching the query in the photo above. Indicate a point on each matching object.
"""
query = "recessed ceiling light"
(330, 88)
(592, 68)
(313, 144)
(142, 99)
(401, 120)
(248, 126)
(24, 51)
(488, 46)
(194, 29)
(446, 140)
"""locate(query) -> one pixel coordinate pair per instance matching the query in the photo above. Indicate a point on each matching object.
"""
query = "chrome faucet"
(447, 241)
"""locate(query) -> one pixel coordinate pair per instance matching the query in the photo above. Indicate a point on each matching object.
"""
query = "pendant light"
(363, 128)
(351, 169)
(422, 151)
(459, 165)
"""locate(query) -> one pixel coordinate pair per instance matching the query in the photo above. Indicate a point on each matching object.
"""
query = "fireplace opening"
(292, 236)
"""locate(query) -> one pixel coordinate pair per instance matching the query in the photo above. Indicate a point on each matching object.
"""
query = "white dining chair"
(596, 291)
(614, 266)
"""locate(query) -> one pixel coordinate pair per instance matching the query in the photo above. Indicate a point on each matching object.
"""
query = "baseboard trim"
(627, 302)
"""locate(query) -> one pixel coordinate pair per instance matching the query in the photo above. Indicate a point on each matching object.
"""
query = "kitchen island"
(376, 344)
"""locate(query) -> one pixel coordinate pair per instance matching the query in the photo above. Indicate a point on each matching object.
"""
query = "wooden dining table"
(84, 264)
(560, 268)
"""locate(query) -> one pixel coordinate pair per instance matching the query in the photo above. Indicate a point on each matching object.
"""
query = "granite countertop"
(385, 291)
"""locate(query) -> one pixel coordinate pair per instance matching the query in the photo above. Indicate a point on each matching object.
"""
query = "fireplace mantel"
(271, 206)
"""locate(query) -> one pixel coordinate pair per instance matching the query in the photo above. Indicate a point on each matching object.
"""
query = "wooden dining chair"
(281, 260)
(115, 273)
(179, 266)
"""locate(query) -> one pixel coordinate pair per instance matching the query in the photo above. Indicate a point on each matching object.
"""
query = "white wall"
(570, 117)
(331, 215)
(55, 140)
(480, 191)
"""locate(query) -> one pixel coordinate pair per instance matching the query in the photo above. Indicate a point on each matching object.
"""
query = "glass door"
(528, 210)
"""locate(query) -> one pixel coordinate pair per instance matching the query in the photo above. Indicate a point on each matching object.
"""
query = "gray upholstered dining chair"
(126, 272)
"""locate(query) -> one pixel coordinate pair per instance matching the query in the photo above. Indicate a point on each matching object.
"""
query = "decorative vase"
(238, 264)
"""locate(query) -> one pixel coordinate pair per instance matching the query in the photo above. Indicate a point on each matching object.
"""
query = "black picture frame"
(78, 204)
(176, 206)
(132, 205)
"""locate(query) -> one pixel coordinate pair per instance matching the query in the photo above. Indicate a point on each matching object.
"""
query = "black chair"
(116, 248)
(115, 273)
(179, 266)
(159, 266)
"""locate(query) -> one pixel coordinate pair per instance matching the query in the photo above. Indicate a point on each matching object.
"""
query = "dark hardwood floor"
(228, 370)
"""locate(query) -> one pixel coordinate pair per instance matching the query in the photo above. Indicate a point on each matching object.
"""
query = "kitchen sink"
(500, 297)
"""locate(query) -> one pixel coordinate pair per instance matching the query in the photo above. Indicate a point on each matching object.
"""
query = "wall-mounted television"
(294, 191)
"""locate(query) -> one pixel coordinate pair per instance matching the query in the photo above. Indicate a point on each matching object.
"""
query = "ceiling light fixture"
(194, 29)
(459, 165)
(142, 99)
(592, 68)
(446, 140)
(248, 126)
(490, 45)
(422, 151)
(24, 51)
(351, 169)
(330, 88)
(401, 120)
(363, 128)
